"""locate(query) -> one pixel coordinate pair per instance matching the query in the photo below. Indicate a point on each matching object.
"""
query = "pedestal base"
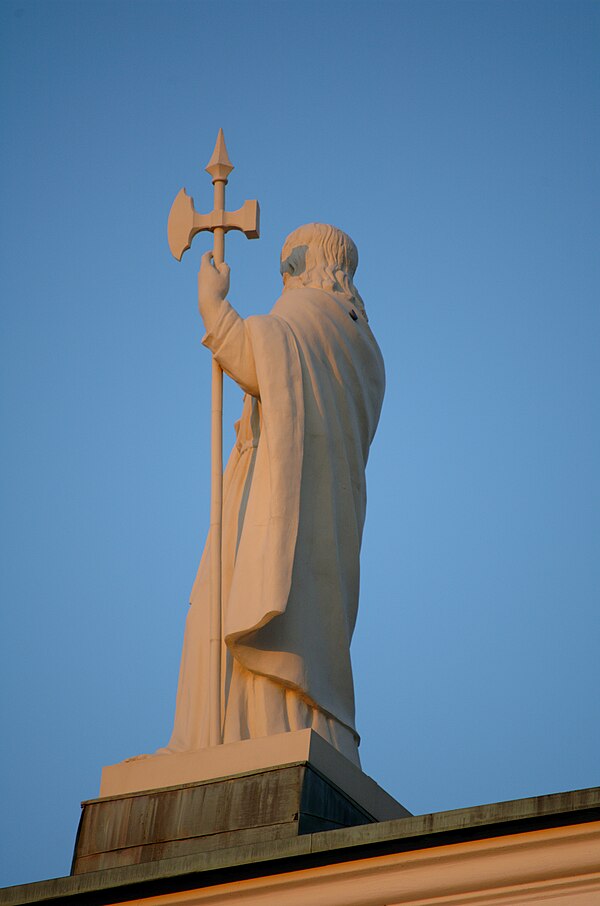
(172, 805)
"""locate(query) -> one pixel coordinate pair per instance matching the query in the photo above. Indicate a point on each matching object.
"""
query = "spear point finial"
(219, 166)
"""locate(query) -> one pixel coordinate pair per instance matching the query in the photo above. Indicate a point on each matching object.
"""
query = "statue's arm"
(226, 336)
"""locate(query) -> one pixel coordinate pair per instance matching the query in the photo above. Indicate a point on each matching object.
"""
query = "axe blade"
(180, 226)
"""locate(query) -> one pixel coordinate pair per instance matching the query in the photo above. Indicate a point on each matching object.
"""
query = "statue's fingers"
(205, 260)
(223, 268)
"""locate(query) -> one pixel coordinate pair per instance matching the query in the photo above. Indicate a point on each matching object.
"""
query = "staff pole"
(216, 505)
(184, 223)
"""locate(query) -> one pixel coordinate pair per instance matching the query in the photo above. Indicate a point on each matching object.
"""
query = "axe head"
(180, 228)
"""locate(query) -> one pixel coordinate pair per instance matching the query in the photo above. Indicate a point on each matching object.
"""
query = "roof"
(344, 845)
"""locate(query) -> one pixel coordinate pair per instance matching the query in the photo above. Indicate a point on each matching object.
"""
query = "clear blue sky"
(458, 144)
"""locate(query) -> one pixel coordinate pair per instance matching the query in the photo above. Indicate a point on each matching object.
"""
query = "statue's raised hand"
(213, 280)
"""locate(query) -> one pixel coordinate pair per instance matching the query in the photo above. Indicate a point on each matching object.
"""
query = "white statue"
(294, 502)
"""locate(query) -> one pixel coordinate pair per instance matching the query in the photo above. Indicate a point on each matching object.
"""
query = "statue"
(266, 665)
(294, 499)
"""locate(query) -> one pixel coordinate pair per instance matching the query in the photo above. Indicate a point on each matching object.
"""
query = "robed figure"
(294, 499)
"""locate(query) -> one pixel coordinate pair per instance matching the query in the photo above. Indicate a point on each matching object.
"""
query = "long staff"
(184, 223)
(216, 540)
(219, 169)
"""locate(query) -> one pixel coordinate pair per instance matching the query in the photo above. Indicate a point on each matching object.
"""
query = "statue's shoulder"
(301, 298)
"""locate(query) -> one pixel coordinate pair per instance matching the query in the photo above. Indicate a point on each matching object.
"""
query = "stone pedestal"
(163, 806)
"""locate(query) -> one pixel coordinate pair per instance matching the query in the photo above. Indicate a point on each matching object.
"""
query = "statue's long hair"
(320, 255)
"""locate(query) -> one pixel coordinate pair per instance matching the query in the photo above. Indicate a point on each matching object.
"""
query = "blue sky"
(457, 143)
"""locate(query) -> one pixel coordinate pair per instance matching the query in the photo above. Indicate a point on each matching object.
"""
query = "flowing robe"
(294, 499)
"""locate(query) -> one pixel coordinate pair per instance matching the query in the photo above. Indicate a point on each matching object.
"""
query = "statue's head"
(322, 256)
